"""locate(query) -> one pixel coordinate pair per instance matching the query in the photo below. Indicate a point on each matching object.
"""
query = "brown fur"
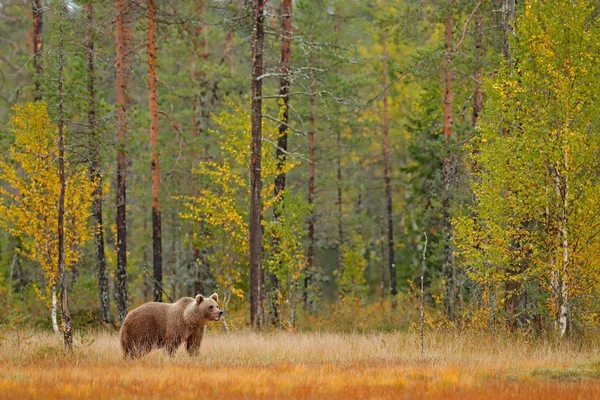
(160, 325)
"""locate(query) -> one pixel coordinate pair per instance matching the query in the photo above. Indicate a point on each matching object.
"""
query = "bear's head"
(203, 310)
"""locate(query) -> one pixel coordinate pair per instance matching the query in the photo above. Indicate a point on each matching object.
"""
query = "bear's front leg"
(195, 341)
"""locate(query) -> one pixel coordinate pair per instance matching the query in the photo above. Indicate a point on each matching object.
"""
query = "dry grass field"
(311, 365)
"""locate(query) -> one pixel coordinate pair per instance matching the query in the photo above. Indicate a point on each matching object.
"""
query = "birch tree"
(537, 203)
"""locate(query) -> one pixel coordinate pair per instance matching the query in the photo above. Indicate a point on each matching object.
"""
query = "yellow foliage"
(30, 191)
(222, 203)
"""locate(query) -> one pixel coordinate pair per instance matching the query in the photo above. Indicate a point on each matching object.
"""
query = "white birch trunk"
(564, 300)
(559, 280)
(53, 310)
(12, 272)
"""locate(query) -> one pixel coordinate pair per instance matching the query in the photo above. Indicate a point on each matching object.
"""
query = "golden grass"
(314, 365)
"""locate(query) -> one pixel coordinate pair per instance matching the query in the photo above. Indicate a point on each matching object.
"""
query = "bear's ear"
(215, 297)
(199, 298)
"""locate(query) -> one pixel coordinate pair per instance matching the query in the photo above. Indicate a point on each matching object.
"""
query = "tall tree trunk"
(478, 78)
(308, 275)
(96, 176)
(202, 33)
(512, 287)
(62, 276)
(256, 272)
(448, 261)
(197, 128)
(38, 47)
(153, 99)
(340, 226)
(284, 90)
(388, 179)
(340, 221)
(562, 187)
(122, 51)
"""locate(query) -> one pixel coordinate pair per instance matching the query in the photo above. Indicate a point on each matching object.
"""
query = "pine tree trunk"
(478, 78)
(340, 226)
(96, 176)
(202, 32)
(38, 47)
(279, 188)
(227, 53)
(448, 261)
(62, 276)
(198, 284)
(308, 275)
(256, 272)
(340, 217)
(388, 179)
(513, 295)
(153, 106)
(122, 42)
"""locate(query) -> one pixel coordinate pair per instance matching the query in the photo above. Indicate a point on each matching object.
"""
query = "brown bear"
(161, 325)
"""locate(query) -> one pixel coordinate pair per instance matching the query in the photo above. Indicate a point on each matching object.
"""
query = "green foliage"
(535, 161)
(221, 209)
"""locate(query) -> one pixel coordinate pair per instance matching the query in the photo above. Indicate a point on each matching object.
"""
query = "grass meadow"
(301, 365)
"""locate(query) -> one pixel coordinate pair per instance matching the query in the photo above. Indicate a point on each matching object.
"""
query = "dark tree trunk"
(513, 293)
(340, 226)
(38, 47)
(387, 175)
(256, 272)
(284, 90)
(478, 95)
(340, 221)
(448, 172)
(227, 53)
(96, 176)
(62, 276)
(308, 276)
(122, 51)
(153, 99)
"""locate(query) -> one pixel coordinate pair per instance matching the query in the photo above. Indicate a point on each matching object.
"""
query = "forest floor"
(301, 365)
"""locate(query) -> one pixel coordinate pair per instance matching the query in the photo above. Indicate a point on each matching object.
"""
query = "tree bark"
(284, 90)
(227, 53)
(201, 32)
(96, 176)
(508, 17)
(62, 276)
(340, 220)
(448, 172)
(122, 51)
(53, 308)
(478, 78)
(153, 99)
(340, 225)
(14, 262)
(256, 272)
(308, 276)
(563, 191)
(387, 172)
(513, 295)
(38, 47)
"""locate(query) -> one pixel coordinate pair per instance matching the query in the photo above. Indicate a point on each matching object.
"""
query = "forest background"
(320, 164)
